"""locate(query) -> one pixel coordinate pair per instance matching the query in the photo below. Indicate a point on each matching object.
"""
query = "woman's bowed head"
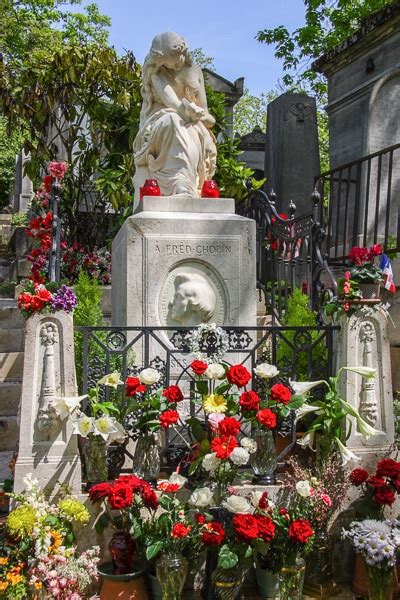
(174, 144)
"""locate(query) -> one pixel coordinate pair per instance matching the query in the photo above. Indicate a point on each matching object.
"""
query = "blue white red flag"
(386, 266)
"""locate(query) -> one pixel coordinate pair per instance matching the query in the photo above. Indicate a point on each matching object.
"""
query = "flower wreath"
(199, 340)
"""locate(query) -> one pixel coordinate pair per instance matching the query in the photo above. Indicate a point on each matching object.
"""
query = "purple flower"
(64, 299)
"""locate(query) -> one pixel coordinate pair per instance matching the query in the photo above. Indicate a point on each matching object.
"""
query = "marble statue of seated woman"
(174, 144)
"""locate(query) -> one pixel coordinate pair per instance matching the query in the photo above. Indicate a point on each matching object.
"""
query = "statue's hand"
(193, 113)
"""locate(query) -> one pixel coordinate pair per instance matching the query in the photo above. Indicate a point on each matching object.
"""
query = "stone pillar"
(47, 446)
(291, 152)
(364, 342)
(177, 248)
(23, 187)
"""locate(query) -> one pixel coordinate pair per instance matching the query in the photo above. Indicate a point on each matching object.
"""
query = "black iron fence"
(305, 353)
(361, 203)
(289, 252)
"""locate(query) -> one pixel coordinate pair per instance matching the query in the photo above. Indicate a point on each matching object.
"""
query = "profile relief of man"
(194, 301)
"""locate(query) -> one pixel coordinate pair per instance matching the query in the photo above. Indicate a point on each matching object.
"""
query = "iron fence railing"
(361, 203)
(289, 252)
(305, 351)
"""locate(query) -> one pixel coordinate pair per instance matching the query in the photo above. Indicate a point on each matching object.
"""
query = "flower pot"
(380, 583)
(130, 586)
(268, 584)
(122, 549)
(147, 458)
(227, 583)
(291, 580)
(171, 572)
(360, 579)
(264, 460)
(370, 291)
(95, 459)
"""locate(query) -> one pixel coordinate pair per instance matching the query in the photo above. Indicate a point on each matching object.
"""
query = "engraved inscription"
(197, 249)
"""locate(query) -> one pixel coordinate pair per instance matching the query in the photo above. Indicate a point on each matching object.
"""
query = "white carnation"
(239, 456)
(266, 371)
(210, 462)
(303, 488)
(249, 444)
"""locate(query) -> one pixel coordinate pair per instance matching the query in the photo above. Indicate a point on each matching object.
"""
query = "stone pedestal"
(364, 342)
(47, 447)
(181, 261)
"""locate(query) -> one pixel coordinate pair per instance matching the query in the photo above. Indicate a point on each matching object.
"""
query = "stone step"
(11, 366)
(10, 315)
(10, 394)
(12, 340)
(8, 433)
(5, 458)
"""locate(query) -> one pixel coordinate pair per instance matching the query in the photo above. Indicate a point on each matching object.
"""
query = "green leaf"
(226, 558)
(154, 549)
(202, 387)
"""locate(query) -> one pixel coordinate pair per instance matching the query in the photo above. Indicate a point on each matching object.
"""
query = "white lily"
(307, 440)
(367, 372)
(305, 409)
(178, 479)
(65, 405)
(366, 429)
(111, 379)
(84, 425)
(301, 388)
(104, 426)
(345, 453)
(119, 434)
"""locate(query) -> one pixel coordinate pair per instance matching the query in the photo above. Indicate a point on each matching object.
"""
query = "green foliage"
(326, 25)
(251, 112)
(10, 145)
(20, 219)
(87, 313)
(200, 58)
(298, 314)
(232, 175)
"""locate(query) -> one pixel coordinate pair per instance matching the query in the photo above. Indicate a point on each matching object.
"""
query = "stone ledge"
(186, 204)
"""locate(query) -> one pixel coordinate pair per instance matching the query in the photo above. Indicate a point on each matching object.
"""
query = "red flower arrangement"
(379, 490)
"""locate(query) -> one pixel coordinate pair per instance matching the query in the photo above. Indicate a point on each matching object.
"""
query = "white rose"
(239, 456)
(176, 478)
(201, 497)
(266, 371)
(149, 376)
(303, 488)
(210, 462)
(215, 371)
(238, 505)
(249, 444)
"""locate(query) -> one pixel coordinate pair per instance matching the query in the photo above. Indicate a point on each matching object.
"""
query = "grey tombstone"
(23, 187)
(291, 154)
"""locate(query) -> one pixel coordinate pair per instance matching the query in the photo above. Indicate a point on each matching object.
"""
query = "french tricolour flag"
(386, 266)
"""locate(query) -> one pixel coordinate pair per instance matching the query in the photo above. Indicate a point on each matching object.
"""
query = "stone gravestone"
(291, 153)
(23, 187)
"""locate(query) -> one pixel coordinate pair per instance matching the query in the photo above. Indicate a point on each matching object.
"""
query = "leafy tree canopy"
(327, 24)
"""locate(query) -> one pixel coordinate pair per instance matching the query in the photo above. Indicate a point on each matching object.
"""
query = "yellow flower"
(74, 510)
(21, 521)
(3, 561)
(215, 403)
(3, 586)
(57, 540)
(38, 585)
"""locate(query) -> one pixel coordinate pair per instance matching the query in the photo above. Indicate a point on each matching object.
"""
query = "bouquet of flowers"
(49, 297)
(364, 269)
(38, 547)
(378, 490)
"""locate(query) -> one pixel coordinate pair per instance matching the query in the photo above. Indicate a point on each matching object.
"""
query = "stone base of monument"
(182, 261)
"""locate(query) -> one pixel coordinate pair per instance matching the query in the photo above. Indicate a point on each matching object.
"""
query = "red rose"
(245, 527)
(173, 393)
(283, 512)
(249, 401)
(134, 386)
(384, 496)
(121, 496)
(281, 393)
(168, 417)
(99, 491)
(263, 502)
(48, 182)
(179, 530)
(229, 426)
(266, 527)
(396, 484)
(44, 294)
(166, 486)
(223, 446)
(300, 531)
(57, 169)
(376, 250)
(376, 482)
(238, 375)
(358, 476)
(387, 467)
(134, 482)
(213, 534)
(359, 256)
(200, 519)
(199, 367)
(267, 418)
(149, 498)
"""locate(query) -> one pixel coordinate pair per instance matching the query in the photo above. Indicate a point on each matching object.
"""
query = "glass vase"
(95, 459)
(147, 458)
(264, 460)
(171, 570)
(227, 583)
(379, 583)
(291, 580)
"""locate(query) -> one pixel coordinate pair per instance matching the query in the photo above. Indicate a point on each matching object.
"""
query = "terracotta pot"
(360, 582)
(130, 586)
